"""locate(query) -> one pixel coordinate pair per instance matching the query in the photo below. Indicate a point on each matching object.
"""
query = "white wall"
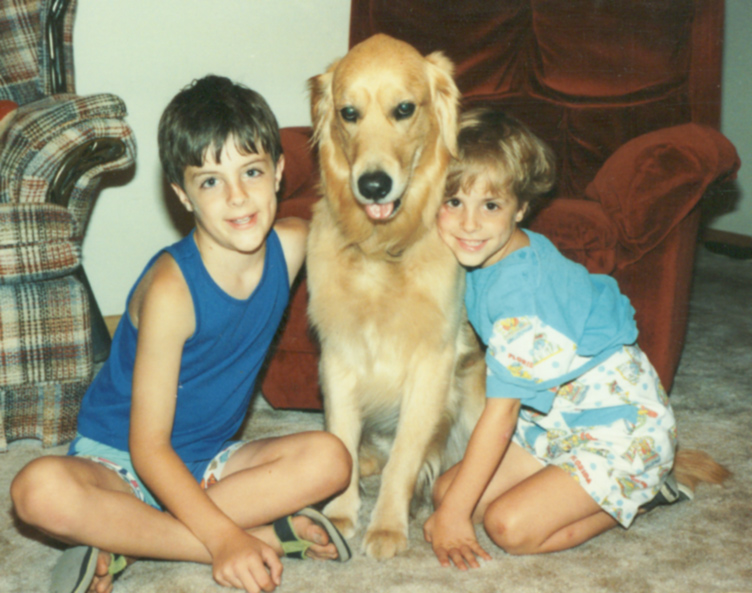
(736, 114)
(145, 51)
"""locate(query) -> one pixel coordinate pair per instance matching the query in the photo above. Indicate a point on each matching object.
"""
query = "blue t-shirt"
(219, 364)
(546, 320)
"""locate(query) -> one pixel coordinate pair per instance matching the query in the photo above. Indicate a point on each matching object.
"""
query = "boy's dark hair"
(204, 115)
(495, 145)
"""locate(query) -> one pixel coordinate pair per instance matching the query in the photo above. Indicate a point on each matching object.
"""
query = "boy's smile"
(234, 200)
(481, 228)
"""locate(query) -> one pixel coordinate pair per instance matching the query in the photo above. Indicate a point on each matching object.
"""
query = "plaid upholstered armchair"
(55, 148)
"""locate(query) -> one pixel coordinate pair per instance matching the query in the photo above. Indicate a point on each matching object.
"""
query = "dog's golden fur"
(693, 467)
(398, 357)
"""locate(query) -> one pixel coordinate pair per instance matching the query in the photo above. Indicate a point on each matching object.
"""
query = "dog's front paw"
(383, 544)
(346, 526)
(346, 522)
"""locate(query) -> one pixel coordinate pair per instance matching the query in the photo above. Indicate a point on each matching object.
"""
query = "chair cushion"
(37, 242)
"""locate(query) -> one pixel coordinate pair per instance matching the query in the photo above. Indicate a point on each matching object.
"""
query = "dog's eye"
(349, 113)
(404, 110)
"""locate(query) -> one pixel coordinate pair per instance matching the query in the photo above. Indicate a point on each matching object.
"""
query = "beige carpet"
(701, 546)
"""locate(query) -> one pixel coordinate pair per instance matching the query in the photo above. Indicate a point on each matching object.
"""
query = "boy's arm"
(450, 529)
(165, 320)
(293, 234)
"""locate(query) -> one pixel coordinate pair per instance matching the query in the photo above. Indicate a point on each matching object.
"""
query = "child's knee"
(507, 530)
(328, 448)
(35, 488)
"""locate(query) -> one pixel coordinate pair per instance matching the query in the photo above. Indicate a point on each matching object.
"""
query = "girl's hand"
(245, 562)
(453, 540)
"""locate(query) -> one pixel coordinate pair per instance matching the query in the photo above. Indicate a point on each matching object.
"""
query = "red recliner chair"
(628, 96)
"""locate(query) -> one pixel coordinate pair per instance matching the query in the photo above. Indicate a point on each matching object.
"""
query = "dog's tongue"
(379, 211)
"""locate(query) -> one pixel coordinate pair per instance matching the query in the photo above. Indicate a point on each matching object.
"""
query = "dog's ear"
(322, 102)
(446, 97)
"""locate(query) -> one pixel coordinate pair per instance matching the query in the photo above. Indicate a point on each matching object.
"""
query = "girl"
(577, 434)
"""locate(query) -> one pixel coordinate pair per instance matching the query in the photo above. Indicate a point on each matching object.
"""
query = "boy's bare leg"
(272, 478)
(79, 501)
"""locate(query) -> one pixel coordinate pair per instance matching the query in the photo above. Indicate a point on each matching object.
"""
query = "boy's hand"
(245, 562)
(453, 540)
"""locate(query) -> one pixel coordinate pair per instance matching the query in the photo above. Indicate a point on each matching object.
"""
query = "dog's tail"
(692, 467)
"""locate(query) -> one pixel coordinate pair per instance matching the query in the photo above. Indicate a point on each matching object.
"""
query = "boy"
(155, 425)
(577, 435)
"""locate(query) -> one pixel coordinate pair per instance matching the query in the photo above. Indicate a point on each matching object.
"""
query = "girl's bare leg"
(528, 508)
(547, 512)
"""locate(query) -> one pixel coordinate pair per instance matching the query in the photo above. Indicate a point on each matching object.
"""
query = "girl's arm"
(162, 309)
(450, 529)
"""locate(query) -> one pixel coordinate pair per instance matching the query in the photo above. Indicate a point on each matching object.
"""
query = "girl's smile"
(479, 227)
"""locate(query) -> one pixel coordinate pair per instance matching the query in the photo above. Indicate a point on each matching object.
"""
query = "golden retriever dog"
(399, 362)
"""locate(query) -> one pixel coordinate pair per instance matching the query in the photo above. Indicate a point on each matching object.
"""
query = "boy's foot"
(78, 568)
(293, 546)
(671, 492)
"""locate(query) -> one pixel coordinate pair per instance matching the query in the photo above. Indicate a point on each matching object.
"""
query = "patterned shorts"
(120, 462)
(623, 463)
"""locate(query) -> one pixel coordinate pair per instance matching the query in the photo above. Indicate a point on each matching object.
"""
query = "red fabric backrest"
(585, 75)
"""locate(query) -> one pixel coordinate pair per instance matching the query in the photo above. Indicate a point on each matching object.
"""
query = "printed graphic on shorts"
(574, 391)
(630, 484)
(512, 328)
(615, 511)
(643, 414)
(531, 350)
(543, 348)
(518, 368)
(570, 468)
(124, 474)
(213, 471)
(631, 369)
(561, 442)
(644, 449)
(662, 395)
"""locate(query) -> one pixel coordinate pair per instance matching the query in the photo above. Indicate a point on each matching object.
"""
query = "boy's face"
(234, 200)
(479, 227)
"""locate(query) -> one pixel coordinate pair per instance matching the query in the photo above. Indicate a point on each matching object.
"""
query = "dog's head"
(385, 121)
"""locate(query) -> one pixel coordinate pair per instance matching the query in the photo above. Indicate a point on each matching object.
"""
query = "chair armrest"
(37, 242)
(580, 230)
(56, 147)
(653, 182)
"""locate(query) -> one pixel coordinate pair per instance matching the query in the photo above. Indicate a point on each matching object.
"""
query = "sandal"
(295, 547)
(75, 569)
(671, 491)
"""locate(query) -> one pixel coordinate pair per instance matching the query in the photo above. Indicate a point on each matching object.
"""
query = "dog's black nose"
(374, 186)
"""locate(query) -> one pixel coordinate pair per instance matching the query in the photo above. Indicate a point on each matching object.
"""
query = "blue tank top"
(219, 365)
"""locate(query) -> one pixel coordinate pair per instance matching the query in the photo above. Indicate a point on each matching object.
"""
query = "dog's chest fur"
(382, 303)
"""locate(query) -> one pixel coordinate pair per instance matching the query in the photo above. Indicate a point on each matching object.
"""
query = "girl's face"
(479, 227)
